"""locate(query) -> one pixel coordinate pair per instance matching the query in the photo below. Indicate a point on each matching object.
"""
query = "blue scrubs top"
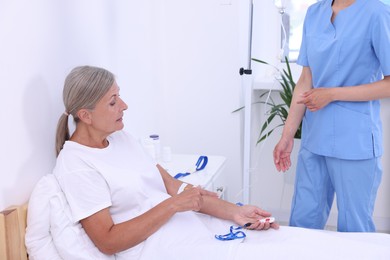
(354, 50)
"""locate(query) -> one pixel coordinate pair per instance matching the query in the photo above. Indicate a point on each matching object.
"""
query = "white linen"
(51, 233)
(124, 178)
(38, 240)
(301, 243)
(174, 242)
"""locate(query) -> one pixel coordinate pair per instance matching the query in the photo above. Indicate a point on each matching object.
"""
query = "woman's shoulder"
(71, 156)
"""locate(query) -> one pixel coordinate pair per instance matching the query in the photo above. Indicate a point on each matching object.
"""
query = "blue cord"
(233, 234)
(200, 165)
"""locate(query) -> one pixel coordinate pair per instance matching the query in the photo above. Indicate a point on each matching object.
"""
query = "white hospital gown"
(124, 178)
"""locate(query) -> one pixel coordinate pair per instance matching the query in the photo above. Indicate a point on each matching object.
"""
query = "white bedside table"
(205, 178)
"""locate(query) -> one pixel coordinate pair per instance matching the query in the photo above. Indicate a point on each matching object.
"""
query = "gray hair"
(83, 88)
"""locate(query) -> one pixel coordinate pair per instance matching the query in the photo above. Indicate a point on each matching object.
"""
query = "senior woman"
(115, 190)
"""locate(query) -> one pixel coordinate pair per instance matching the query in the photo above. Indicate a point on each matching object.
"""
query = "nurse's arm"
(284, 147)
(366, 92)
(318, 98)
(297, 110)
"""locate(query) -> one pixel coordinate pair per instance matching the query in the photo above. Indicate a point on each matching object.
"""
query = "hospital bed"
(50, 234)
(12, 231)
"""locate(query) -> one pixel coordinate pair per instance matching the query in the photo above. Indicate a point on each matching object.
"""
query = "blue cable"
(200, 165)
(233, 234)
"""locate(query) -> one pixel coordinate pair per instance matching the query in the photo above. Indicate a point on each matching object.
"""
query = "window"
(293, 15)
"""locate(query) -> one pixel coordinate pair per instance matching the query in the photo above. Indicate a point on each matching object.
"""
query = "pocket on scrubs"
(352, 133)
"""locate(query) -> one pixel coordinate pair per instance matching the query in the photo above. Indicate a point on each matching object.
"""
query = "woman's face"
(107, 115)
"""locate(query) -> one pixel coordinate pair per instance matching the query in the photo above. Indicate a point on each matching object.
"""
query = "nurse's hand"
(282, 153)
(316, 98)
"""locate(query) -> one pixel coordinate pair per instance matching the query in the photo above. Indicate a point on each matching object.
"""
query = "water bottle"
(156, 143)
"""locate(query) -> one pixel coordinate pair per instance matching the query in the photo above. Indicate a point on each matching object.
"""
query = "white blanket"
(285, 243)
(51, 234)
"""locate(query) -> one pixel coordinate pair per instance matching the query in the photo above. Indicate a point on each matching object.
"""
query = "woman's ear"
(84, 115)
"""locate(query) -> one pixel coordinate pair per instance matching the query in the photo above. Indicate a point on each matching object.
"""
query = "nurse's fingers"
(285, 163)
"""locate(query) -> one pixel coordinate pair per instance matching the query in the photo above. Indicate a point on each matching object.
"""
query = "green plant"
(278, 110)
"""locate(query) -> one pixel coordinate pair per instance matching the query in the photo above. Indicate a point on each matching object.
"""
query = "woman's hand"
(191, 199)
(251, 214)
(316, 98)
(282, 153)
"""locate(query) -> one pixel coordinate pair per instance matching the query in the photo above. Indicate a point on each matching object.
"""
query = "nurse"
(345, 54)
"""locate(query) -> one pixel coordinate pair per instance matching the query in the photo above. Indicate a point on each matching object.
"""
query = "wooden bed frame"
(12, 232)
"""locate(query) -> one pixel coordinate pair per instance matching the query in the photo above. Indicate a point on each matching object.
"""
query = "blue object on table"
(200, 165)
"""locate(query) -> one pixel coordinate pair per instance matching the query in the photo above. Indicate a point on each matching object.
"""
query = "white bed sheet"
(174, 241)
(189, 235)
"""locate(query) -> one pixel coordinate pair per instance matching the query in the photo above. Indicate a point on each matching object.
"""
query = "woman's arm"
(111, 238)
(239, 214)
(171, 184)
(216, 207)
(318, 98)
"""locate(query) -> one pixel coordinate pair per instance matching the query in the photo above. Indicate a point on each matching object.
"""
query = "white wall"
(40, 42)
(200, 85)
(175, 61)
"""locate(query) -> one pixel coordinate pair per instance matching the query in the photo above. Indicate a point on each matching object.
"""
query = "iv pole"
(247, 82)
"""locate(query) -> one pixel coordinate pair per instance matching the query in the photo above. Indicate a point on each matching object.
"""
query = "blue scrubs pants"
(319, 178)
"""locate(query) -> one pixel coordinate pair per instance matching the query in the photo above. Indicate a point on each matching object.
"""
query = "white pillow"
(49, 226)
(39, 242)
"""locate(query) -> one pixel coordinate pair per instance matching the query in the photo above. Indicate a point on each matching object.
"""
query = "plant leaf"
(284, 113)
(281, 110)
(262, 138)
(288, 66)
(261, 61)
(267, 122)
(238, 109)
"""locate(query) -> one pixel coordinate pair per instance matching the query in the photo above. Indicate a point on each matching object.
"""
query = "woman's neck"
(89, 139)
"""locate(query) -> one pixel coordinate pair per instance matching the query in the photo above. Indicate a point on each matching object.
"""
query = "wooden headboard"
(12, 232)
